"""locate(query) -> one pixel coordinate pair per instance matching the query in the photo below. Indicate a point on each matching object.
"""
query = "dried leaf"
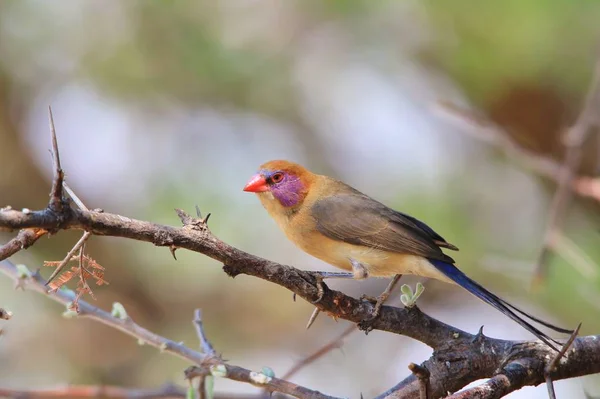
(85, 269)
(62, 279)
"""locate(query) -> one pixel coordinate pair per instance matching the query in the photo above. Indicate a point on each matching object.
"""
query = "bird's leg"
(320, 276)
(380, 300)
(359, 272)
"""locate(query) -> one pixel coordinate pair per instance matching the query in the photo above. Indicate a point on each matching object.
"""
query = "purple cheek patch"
(288, 192)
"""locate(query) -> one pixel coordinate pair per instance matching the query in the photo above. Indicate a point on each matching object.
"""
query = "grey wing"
(357, 219)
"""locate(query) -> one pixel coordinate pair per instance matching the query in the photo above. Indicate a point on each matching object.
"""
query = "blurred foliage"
(208, 90)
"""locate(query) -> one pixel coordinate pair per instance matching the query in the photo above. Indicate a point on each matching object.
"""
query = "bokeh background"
(164, 104)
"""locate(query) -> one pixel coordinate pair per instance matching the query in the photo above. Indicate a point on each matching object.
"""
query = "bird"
(345, 228)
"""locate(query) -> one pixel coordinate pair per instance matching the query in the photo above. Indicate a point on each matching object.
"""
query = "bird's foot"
(408, 297)
(320, 276)
(366, 324)
(320, 289)
(369, 298)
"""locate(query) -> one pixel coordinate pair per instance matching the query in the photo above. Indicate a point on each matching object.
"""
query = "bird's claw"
(366, 324)
(377, 301)
(369, 298)
(320, 290)
(408, 297)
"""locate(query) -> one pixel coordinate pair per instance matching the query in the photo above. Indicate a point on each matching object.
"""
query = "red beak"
(257, 184)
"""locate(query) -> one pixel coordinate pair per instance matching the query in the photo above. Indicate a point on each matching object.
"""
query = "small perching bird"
(340, 225)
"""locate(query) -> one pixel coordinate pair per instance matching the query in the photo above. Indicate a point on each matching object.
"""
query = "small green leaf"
(23, 271)
(405, 300)
(406, 290)
(118, 311)
(420, 290)
(268, 371)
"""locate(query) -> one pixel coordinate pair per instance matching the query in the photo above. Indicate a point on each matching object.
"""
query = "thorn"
(205, 220)
(312, 318)
(294, 297)
(173, 248)
(56, 191)
(198, 213)
(479, 336)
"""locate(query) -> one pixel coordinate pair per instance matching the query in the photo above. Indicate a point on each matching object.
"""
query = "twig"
(125, 324)
(205, 344)
(74, 197)
(202, 387)
(573, 141)
(56, 194)
(552, 366)
(337, 342)
(206, 348)
(422, 375)
(23, 240)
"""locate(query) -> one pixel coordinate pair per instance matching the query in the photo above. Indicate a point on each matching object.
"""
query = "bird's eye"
(277, 177)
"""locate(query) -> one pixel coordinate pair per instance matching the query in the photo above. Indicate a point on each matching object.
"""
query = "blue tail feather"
(452, 272)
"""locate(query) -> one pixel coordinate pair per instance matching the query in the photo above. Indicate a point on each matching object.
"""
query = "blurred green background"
(164, 104)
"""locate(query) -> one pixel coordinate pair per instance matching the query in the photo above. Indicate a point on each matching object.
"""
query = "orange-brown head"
(288, 182)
